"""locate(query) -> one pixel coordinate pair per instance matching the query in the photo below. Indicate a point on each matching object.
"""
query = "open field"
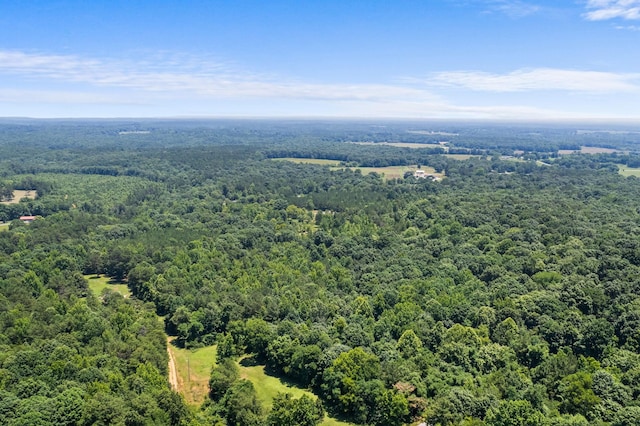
(404, 144)
(429, 132)
(462, 156)
(397, 172)
(99, 283)
(588, 150)
(4, 226)
(267, 387)
(193, 367)
(628, 171)
(319, 161)
(391, 172)
(19, 195)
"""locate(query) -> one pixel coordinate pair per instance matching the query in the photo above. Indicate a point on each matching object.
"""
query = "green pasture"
(403, 144)
(397, 172)
(193, 367)
(267, 387)
(628, 171)
(390, 172)
(318, 161)
(461, 157)
(97, 283)
(18, 195)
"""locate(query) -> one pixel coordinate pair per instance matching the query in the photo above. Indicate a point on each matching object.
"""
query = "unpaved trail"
(173, 372)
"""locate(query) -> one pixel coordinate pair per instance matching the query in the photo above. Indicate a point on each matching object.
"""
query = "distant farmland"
(389, 172)
(19, 194)
(404, 144)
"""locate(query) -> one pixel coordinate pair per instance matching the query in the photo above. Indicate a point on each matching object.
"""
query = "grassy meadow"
(19, 194)
(318, 161)
(267, 387)
(403, 144)
(97, 283)
(391, 172)
(628, 171)
(462, 157)
(194, 368)
(397, 172)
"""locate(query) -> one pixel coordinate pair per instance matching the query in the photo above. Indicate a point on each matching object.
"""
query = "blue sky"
(480, 59)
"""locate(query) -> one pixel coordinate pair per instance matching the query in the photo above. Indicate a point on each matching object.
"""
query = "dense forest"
(507, 293)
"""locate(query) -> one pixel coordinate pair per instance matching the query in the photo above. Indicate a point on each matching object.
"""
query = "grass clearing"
(19, 194)
(318, 161)
(462, 157)
(267, 387)
(415, 145)
(194, 369)
(588, 150)
(97, 283)
(4, 227)
(625, 170)
(397, 172)
(391, 172)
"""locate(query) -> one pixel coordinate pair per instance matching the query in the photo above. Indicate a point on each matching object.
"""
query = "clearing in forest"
(462, 157)
(97, 283)
(318, 161)
(267, 387)
(415, 145)
(588, 150)
(625, 170)
(389, 172)
(397, 172)
(19, 194)
(193, 369)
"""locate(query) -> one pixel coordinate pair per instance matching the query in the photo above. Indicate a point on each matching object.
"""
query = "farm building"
(27, 219)
(421, 174)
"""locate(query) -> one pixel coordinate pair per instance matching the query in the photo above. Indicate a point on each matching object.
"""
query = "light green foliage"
(515, 413)
(576, 391)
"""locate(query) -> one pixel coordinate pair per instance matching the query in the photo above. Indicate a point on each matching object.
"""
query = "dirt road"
(173, 373)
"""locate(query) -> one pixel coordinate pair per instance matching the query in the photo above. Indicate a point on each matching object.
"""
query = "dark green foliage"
(515, 413)
(288, 411)
(240, 405)
(222, 377)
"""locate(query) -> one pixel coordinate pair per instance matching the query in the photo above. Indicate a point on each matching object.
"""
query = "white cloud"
(189, 77)
(601, 10)
(17, 96)
(628, 27)
(169, 85)
(539, 79)
(511, 8)
(514, 8)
